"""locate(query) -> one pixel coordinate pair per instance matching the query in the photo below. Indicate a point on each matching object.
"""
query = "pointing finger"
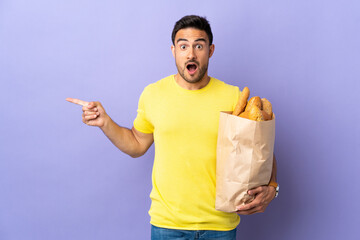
(77, 101)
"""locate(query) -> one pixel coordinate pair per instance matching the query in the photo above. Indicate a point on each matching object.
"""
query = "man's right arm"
(129, 141)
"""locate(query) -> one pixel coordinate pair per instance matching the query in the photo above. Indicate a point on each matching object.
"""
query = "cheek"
(204, 58)
(179, 57)
(178, 61)
(181, 54)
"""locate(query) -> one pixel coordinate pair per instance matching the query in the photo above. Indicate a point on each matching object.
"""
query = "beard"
(200, 72)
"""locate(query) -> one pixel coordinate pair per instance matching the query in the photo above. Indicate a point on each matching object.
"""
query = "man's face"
(192, 52)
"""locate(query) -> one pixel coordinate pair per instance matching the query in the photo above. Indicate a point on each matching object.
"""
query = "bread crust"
(240, 106)
(244, 115)
(266, 116)
(254, 101)
(255, 114)
(257, 109)
(267, 107)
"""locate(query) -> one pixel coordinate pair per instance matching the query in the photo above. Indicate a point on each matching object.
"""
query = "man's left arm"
(263, 196)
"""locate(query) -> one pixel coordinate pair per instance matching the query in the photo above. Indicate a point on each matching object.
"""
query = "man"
(180, 113)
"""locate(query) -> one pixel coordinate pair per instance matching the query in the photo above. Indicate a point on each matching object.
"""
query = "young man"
(180, 113)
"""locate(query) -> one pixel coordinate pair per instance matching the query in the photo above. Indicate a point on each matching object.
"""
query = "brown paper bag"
(244, 159)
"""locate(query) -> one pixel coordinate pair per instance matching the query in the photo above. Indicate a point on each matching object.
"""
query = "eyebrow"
(197, 40)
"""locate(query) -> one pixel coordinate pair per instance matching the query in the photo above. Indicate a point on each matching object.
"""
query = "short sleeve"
(141, 122)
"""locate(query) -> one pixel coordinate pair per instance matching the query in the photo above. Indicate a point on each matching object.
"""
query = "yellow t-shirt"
(185, 125)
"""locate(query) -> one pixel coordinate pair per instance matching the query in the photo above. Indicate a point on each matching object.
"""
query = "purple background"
(60, 179)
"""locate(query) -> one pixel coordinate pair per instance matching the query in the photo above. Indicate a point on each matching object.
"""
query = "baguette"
(240, 106)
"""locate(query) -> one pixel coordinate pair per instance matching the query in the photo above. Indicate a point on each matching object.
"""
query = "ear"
(173, 50)
(212, 49)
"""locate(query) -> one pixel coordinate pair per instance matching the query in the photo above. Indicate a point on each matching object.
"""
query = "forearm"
(274, 170)
(131, 142)
(123, 138)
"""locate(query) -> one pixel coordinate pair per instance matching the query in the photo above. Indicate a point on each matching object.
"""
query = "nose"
(191, 54)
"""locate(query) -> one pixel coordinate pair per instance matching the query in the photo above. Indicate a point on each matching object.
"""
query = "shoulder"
(227, 92)
(220, 85)
(159, 85)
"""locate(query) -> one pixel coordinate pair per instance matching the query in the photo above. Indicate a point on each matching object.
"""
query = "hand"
(263, 196)
(93, 112)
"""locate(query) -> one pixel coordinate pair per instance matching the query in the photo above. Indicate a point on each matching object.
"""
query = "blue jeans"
(158, 233)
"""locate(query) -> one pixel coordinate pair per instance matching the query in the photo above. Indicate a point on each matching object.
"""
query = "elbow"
(136, 154)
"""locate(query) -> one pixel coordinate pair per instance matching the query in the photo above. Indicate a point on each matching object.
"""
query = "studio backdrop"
(62, 180)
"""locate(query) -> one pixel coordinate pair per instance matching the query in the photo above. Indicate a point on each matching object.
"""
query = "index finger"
(77, 101)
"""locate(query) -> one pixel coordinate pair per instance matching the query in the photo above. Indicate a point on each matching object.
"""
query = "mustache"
(192, 61)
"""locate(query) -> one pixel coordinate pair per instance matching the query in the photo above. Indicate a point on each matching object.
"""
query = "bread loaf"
(254, 101)
(266, 106)
(257, 109)
(255, 113)
(266, 115)
(244, 115)
(240, 106)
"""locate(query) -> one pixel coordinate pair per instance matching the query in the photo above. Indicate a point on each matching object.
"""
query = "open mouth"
(191, 67)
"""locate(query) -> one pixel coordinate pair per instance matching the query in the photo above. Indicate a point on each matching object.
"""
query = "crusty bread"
(267, 107)
(244, 115)
(254, 101)
(240, 106)
(255, 114)
(266, 116)
(257, 109)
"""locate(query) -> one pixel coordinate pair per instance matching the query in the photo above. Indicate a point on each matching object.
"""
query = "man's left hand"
(263, 196)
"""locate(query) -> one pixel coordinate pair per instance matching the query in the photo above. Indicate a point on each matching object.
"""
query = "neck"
(192, 86)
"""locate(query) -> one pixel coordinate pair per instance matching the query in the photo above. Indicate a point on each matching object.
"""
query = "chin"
(195, 80)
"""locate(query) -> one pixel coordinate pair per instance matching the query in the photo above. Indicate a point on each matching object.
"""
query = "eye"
(199, 46)
(182, 47)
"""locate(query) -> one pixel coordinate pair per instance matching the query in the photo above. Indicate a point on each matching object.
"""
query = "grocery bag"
(244, 159)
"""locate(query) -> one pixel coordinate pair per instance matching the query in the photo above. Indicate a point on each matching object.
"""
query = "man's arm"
(263, 196)
(129, 141)
(274, 170)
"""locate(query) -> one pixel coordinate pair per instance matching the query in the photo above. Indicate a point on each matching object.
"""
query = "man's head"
(192, 47)
(192, 21)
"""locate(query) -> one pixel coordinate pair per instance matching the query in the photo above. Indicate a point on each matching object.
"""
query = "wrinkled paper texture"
(244, 159)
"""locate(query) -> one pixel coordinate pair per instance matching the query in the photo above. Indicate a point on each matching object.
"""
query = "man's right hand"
(130, 141)
(93, 112)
